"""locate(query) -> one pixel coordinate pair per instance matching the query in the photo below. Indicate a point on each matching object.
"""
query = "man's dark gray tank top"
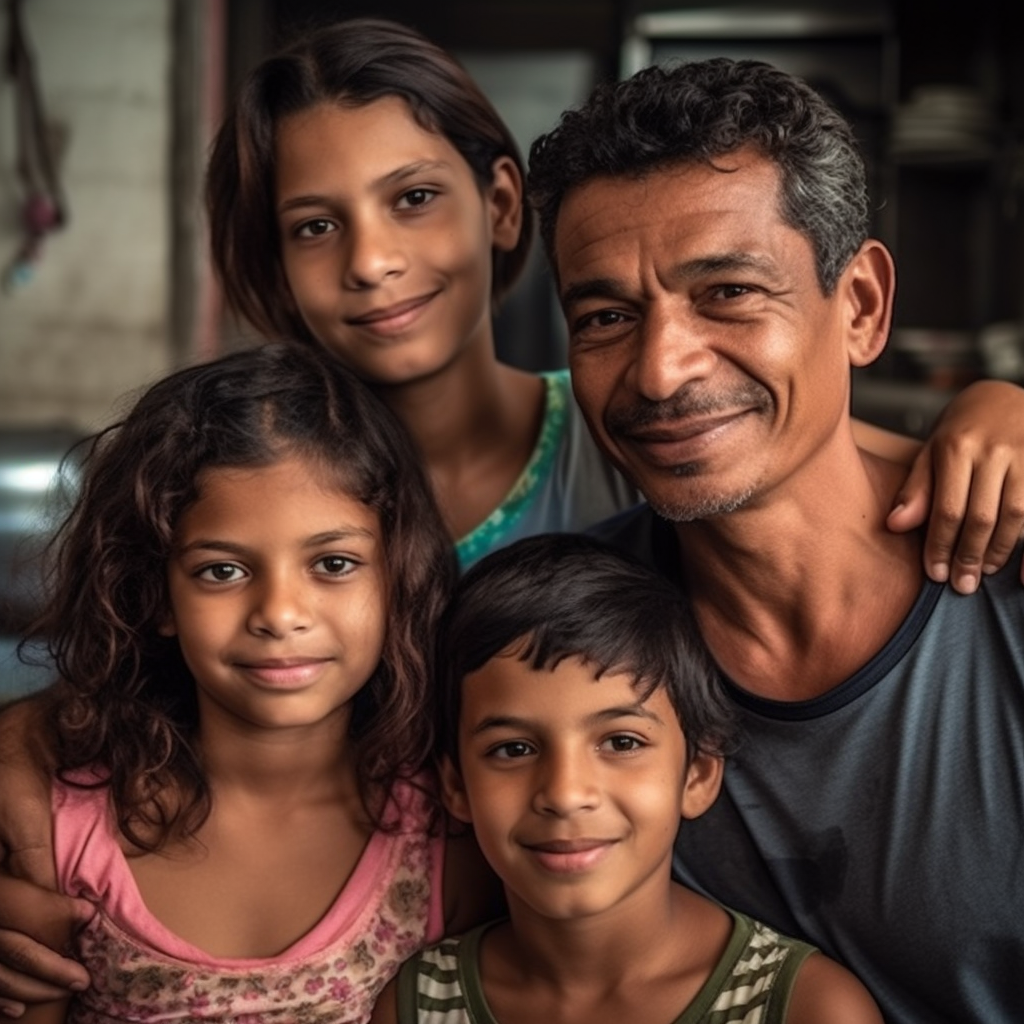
(884, 820)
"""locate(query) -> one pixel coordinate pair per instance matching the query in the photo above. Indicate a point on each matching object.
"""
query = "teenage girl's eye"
(416, 197)
(221, 572)
(335, 565)
(512, 750)
(314, 228)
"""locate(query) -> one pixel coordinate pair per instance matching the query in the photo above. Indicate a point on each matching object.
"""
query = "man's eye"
(730, 291)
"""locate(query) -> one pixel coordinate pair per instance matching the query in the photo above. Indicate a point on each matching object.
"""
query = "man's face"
(705, 358)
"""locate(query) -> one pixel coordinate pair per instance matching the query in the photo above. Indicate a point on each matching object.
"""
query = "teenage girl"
(365, 196)
(241, 613)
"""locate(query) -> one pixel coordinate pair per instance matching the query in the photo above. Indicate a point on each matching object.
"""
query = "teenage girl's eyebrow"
(716, 263)
(502, 722)
(392, 178)
(315, 541)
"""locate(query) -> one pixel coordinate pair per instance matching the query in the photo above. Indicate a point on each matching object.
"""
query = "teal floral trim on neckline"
(494, 532)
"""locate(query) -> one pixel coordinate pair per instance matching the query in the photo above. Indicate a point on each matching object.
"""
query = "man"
(712, 258)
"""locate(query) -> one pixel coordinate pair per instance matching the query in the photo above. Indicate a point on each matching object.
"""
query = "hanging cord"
(44, 208)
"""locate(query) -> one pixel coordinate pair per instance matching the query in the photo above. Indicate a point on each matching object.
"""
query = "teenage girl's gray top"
(884, 820)
(566, 486)
(750, 984)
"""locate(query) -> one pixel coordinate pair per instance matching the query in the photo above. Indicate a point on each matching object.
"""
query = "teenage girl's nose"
(671, 351)
(374, 253)
(280, 606)
(565, 783)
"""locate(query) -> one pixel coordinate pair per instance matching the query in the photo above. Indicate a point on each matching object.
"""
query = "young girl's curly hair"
(124, 705)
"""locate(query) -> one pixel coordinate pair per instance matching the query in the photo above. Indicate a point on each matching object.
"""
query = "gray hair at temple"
(699, 112)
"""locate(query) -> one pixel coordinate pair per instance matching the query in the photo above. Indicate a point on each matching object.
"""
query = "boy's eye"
(335, 565)
(416, 197)
(623, 744)
(222, 572)
(511, 750)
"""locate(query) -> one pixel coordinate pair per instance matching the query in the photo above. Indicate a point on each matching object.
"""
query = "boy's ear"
(505, 199)
(701, 785)
(453, 792)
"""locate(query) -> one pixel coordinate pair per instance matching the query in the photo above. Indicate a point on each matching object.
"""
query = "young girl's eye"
(222, 572)
(335, 565)
(511, 750)
(416, 197)
(315, 228)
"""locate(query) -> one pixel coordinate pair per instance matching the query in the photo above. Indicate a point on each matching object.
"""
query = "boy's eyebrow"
(637, 710)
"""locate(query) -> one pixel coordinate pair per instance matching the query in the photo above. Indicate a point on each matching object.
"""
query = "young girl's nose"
(279, 607)
(374, 254)
(565, 784)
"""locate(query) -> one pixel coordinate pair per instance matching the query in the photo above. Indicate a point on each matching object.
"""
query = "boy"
(579, 717)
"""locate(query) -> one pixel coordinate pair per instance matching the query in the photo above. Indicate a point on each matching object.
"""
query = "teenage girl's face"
(386, 237)
(277, 596)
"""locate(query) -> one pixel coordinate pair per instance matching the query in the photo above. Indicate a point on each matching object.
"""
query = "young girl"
(365, 196)
(241, 615)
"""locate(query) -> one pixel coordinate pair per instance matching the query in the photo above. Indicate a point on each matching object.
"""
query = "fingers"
(913, 501)
(976, 518)
(31, 973)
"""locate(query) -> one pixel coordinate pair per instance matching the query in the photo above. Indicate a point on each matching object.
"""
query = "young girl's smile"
(386, 237)
(280, 616)
(574, 786)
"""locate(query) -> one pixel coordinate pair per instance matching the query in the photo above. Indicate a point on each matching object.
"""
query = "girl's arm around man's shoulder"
(826, 991)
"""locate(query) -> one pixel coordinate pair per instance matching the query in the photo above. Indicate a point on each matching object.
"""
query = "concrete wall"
(92, 322)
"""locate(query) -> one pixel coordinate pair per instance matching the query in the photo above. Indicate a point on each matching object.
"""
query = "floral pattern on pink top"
(390, 908)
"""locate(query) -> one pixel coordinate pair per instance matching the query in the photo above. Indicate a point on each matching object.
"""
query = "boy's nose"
(565, 785)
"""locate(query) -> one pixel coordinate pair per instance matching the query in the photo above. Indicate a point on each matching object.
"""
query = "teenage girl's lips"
(393, 319)
(568, 856)
(284, 673)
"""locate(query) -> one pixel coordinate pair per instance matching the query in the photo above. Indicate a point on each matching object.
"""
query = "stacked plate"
(943, 123)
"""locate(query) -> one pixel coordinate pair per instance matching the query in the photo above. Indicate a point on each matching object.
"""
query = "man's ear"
(702, 783)
(505, 201)
(869, 287)
(453, 792)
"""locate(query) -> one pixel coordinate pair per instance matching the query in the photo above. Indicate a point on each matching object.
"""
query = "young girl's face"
(386, 237)
(277, 595)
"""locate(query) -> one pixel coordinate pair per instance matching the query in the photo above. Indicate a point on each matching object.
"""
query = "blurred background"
(107, 108)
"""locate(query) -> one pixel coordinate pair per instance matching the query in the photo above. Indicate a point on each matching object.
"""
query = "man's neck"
(798, 591)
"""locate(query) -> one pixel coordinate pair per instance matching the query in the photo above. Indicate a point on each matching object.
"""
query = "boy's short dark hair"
(560, 595)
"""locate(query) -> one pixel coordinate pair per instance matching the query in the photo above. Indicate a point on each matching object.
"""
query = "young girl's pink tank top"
(390, 907)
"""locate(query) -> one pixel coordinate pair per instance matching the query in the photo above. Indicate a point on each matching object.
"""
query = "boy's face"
(573, 786)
